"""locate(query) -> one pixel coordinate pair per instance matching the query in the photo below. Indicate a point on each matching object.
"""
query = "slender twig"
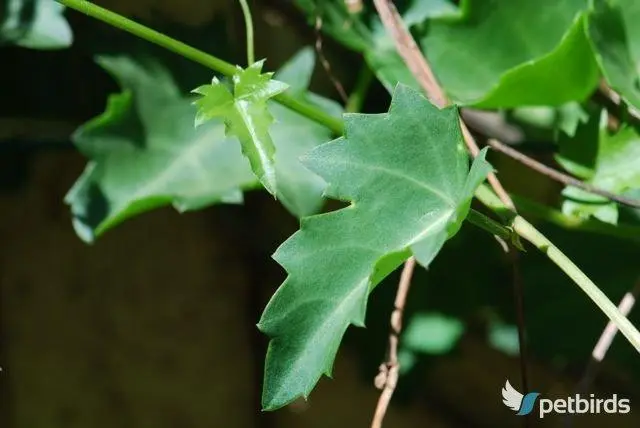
(557, 175)
(387, 378)
(216, 64)
(527, 231)
(492, 124)
(323, 59)
(607, 336)
(248, 22)
(603, 344)
(616, 99)
(419, 67)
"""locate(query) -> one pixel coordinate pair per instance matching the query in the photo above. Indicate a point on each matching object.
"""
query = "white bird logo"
(510, 397)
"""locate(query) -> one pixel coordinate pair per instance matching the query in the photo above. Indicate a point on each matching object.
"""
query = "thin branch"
(531, 234)
(616, 99)
(387, 378)
(419, 67)
(492, 124)
(323, 59)
(557, 175)
(609, 333)
(603, 344)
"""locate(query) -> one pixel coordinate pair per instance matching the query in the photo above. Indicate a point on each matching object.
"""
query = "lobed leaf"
(146, 153)
(407, 176)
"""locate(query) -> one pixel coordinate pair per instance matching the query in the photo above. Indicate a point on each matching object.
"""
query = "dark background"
(154, 324)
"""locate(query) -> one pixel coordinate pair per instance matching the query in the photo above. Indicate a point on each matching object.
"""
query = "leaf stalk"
(216, 64)
(248, 22)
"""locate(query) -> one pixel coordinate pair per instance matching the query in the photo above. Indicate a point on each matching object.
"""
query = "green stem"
(524, 229)
(528, 232)
(357, 96)
(493, 227)
(193, 54)
(622, 231)
(248, 22)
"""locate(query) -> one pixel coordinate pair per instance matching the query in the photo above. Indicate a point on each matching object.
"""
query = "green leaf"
(613, 30)
(295, 135)
(608, 161)
(421, 10)
(406, 174)
(246, 116)
(432, 333)
(146, 153)
(534, 52)
(37, 24)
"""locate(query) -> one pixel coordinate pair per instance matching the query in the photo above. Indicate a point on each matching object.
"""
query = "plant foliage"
(405, 174)
(407, 177)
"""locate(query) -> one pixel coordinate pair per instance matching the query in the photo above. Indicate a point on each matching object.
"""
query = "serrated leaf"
(608, 161)
(37, 24)
(246, 116)
(522, 44)
(406, 174)
(145, 152)
(613, 30)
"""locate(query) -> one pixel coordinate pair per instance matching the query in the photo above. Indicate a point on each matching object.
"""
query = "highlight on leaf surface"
(144, 151)
(406, 174)
(246, 116)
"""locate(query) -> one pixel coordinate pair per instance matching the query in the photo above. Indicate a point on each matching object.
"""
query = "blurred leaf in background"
(605, 159)
(145, 151)
(615, 35)
(35, 24)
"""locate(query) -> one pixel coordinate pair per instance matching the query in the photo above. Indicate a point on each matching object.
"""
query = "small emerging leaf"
(407, 176)
(246, 116)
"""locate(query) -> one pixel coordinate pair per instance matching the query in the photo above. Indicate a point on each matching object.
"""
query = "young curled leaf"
(246, 116)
